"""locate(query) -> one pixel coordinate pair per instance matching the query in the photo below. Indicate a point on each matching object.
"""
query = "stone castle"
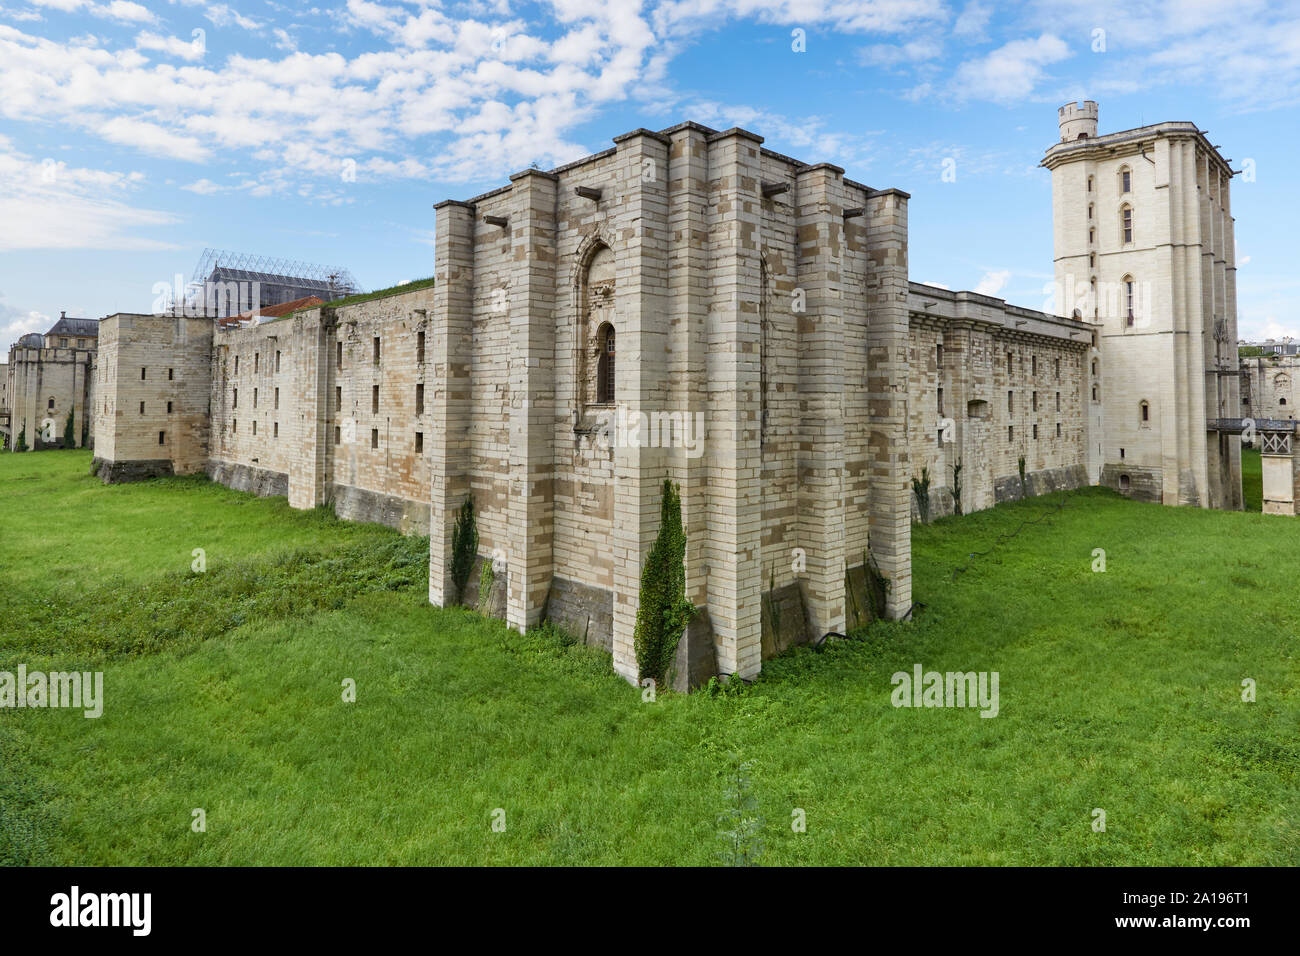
(690, 305)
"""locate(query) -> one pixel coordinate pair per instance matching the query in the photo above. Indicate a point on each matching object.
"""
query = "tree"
(464, 547)
(69, 436)
(663, 610)
(22, 439)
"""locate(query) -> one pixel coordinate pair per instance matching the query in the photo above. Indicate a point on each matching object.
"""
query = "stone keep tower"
(1143, 236)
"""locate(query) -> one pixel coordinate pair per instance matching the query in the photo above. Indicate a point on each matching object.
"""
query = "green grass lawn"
(1118, 690)
(1252, 480)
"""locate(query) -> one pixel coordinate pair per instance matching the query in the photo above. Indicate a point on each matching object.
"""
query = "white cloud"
(63, 207)
(993, 282)
(16, 322)
(122, 10)
(204, 187)
(173, 46)
(1011, 72)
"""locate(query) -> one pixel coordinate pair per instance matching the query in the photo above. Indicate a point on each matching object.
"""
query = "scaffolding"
(227, 283)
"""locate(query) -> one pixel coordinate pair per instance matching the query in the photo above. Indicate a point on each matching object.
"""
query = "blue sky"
(135, 134)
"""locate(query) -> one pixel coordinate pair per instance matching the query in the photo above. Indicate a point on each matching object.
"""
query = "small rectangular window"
(1035, 431)
(337, 435)
(376, 350)
(254, 426)
(1033, 398)
(338, 349)
(419, 442)
(1011, 401)
(277, 360)
(277, 397)
(257, 362)
(419, 348)
(374, 400)
(338, 398)
(171, 374)
(1121, 453)
(169, 408)
(162, 438)
(1058, 429)
(374, 438)
(236, 364)
(254, 398)
(419, 399)
(235, 401)
(275, 429)
(142, 408)
(1011, 433)
(142, 375)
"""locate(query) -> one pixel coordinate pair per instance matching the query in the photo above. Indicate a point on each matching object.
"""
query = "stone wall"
(989, 384)
(41, 387)
(152, 395)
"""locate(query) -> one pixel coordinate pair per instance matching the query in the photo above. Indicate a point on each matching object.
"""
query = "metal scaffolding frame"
(269, 269)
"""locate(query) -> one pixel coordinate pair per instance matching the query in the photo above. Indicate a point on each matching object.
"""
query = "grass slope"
(1119, 690)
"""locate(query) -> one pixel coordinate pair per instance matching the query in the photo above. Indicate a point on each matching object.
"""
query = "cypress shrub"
(464, 547)
(663, 611)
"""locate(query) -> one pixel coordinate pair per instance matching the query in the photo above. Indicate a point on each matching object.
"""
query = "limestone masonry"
(690, 305)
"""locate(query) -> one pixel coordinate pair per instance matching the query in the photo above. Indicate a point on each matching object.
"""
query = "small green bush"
(663, 611)
(464, 547)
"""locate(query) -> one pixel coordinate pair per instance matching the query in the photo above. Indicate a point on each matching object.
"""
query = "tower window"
(1125, 180)
(338, 398)
(162, 438)
(1128, 300)
(1126, 223)
(277, 360)
(171, 374)
(419, 348)
(1011, 401)
(374, 399)
(142, 408)
(376, 350)
(1145, 410)
(605, 365)
(419, 399)
(374, 438)
(338, 355)
(419, 442)
(142, 375)
(51, 404)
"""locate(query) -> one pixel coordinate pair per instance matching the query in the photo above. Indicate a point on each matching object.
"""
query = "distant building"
(47, 378)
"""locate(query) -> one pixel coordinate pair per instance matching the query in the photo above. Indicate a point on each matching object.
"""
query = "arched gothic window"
(596, 332)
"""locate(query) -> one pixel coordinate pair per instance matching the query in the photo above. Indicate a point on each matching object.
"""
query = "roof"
(67, 326)
(271, 311)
